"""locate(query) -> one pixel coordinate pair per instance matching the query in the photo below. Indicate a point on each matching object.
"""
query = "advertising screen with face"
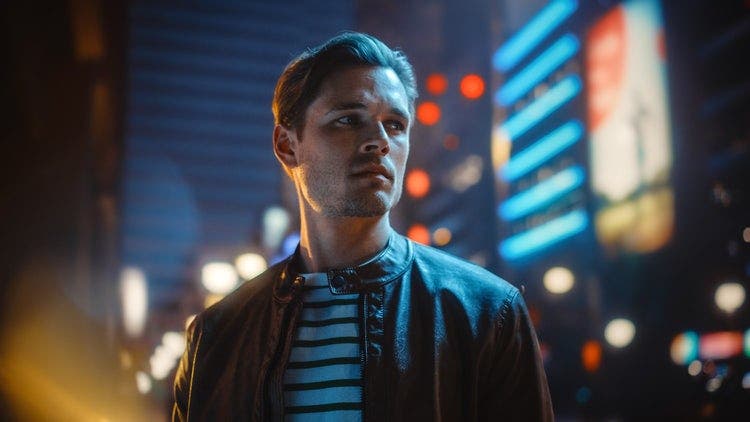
(630, 148)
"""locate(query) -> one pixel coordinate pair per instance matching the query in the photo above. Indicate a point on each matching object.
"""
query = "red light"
(472, 86)
(436, 84)
(720, 345)
(419, 234)
(417, 183)
(428, 113)
(591, 355)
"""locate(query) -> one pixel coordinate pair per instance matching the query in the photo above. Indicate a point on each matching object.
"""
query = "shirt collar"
(372, 274)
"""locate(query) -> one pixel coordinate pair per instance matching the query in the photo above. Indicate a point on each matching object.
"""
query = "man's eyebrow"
(401, 113)
(359, 106)
(346, 106)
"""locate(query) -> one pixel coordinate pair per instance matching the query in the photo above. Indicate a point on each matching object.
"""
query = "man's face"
(351, 154)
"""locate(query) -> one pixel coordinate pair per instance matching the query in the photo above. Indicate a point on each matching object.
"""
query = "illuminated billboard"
(630, 147)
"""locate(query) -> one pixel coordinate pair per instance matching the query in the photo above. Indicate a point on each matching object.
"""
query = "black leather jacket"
(443, 340)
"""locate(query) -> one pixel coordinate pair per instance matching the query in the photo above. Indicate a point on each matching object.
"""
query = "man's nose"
(377, 141)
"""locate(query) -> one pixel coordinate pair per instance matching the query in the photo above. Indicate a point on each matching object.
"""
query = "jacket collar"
(372, 274)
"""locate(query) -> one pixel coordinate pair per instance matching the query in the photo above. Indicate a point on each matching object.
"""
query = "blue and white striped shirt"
(323, 379)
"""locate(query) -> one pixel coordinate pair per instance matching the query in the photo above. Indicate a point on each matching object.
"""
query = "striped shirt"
(323, 379)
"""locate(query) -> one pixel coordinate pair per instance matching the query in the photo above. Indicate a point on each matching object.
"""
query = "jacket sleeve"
(516, 388)
(184, 377)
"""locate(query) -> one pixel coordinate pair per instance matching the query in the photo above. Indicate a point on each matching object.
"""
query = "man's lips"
(374, 169)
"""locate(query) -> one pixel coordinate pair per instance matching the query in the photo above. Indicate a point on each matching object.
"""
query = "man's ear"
(285, 147)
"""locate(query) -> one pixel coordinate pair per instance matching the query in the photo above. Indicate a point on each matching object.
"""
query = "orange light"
(436, 84)
(450, 142)
(417, 183)
(472, 86)
(591, 355)
(442, 236)
(428, 113)
(419, 234)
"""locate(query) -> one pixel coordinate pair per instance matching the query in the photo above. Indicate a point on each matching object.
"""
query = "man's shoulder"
(449, 271)
(251, 295)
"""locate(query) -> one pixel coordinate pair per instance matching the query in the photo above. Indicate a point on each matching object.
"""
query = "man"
(359, 323)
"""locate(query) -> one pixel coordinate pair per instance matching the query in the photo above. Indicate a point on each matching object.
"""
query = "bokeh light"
(219, 277)
(441, 236)
(591, 355)
(558, 280)
(619, 332)
(174, 343)
(472, 86)
(428, 113)
(134, 296)
(583, 395)
(143, 382)
(729, 296)
(417, 183)
(684, 348)
(275, 224)
(419, 234)
(695, 368)
(250, 265)
(746, 234)
(436, 84)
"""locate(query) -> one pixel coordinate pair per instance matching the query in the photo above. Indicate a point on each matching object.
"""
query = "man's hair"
(298, 85)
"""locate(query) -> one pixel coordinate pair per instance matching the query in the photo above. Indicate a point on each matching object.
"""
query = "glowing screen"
(628, 121)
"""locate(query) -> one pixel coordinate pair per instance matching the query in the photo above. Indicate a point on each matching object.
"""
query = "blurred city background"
(593, 152)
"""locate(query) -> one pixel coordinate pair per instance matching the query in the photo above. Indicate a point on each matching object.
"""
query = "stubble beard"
(329, 200)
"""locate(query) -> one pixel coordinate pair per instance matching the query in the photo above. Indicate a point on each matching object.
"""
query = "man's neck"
(340, 242)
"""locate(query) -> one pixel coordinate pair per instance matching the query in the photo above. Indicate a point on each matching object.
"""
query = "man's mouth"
(374, 170)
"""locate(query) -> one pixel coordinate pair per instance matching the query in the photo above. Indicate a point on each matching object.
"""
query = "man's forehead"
(358, 83)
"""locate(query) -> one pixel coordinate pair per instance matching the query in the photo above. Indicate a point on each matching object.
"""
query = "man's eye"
(348, 120)
(396, 125)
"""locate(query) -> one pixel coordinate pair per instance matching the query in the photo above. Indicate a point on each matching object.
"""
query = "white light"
(746, 234)
(143, 382)
(161, 362)
(219, 277)
(558, 280)
(729, 297)
(713, 384)
(466, 174)
(619, 332)
(134, 296)
(174, 342)
(275, 225)
(250, 264)
(695, 368)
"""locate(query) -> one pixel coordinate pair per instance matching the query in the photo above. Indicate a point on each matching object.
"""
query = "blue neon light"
(542, 107)
(536, 30)
(544, 236)
(527, 78)
(542, 194)
(542, 150)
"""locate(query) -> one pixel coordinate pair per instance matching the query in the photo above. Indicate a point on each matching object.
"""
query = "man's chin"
(361, 207)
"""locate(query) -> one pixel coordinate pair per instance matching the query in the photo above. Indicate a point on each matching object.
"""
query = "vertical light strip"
(533, 33)
(544, 236)
(542, 194)
(527, 78)
(542, 150)
(542, 107)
